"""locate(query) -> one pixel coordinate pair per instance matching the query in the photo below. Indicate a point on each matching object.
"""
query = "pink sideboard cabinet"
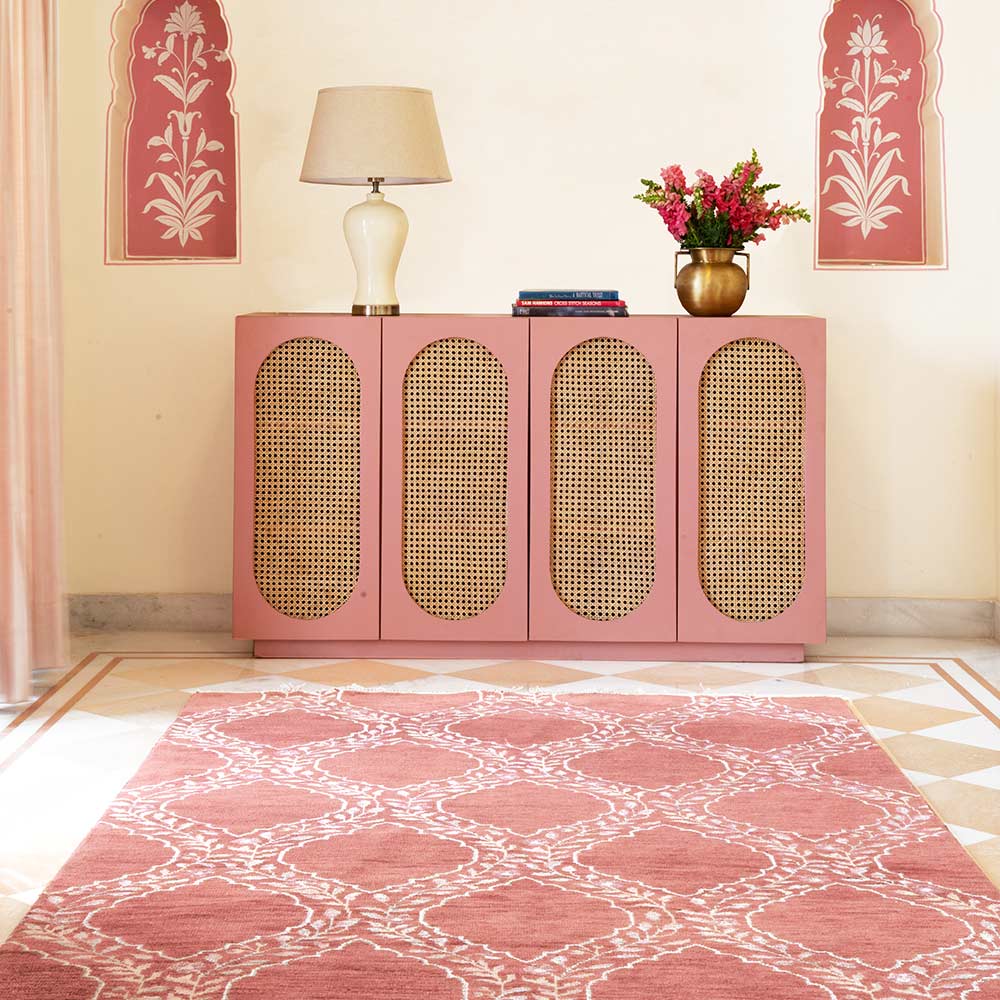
(499, 487)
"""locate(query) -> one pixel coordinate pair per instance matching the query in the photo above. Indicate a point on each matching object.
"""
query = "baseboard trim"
(939, 618)
(846, 616)
(150, 612)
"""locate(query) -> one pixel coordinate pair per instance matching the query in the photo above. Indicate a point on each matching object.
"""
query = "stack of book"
(568, 302)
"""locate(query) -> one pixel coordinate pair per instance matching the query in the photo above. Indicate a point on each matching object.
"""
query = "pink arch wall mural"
(173, 137)
(880, 151)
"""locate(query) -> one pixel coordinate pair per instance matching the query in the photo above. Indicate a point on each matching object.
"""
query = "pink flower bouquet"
(728, 214)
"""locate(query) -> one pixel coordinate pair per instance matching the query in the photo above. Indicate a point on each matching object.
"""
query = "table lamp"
(375, 135)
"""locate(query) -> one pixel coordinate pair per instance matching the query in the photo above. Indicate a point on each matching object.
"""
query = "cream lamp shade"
(375, 135)
(359, 133)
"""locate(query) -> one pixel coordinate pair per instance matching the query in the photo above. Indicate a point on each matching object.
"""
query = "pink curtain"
(32, 613)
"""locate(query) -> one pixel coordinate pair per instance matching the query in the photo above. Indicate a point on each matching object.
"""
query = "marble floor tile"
(11, 913)
(920, 778)
(987, 856)
(905, 716)
(883, 733)
(605, 668)
(784, 687)
(434, 684)
(942, 757)
(977, 732)
(988, 778)
(82, 643)
(966, 836)
(939, 695)
(859, 678)
(694, 676)
(118, 755)
(116, 687)
(182, 674)
(524, 673)
(616, 685)
(447, 666)
(77, 724)
(370, 673)
(281, 682)
(971, 806)
(161, 707)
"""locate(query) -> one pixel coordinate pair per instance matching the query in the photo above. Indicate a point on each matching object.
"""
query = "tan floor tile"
(115, 688)
(178, 674)
(11, 912)
(861, 678)
(693, 675)
(971, 806)
(987, 855)
(524, 673)
(152, 708)
(905, 716)
(371, 673)
(942, 757)
(273, 667)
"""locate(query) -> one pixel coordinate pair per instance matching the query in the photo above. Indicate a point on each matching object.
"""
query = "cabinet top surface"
(612, 319)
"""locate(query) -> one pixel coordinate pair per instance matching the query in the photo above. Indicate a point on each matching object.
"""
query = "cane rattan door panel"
(750, 468)
(307, 445)
(455, 496)
(751, 481)
(603, 478)
(307, 472)
(603, 405)
(454, 412)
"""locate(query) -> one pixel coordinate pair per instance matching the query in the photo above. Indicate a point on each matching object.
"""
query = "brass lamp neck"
(375, 183)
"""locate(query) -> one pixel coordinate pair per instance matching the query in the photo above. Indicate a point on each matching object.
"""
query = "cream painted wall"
(550, 112)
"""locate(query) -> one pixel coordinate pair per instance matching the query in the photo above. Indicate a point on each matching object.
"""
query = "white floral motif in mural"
(186, 183)
(870, 87)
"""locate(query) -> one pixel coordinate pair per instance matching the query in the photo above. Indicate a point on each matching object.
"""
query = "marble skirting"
(846, 616)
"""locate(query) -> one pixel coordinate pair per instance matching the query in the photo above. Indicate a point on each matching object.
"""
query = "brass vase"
(712, 284)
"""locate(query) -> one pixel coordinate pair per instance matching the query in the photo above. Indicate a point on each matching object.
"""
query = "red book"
(575, 303)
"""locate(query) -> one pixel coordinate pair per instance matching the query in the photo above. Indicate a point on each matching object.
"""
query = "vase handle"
(677, 254)
(743, 253)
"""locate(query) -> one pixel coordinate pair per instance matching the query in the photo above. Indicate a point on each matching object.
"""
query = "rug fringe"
(420, 687)
(415, 688)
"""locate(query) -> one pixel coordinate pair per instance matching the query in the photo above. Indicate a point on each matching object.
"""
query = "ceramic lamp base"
(376, 231)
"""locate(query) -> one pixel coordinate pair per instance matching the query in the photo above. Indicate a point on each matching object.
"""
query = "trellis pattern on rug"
(508, 845)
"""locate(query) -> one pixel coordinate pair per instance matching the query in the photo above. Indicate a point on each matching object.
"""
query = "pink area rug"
(510, 846)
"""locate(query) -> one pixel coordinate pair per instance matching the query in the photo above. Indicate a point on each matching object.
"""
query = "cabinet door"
(455, 477)
(603, 479)
(305, 547)
(751, 546)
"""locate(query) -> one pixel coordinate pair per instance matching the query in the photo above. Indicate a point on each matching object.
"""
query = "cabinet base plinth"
(534, 649)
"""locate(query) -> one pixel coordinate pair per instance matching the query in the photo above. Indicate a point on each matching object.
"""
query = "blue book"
(562, 294)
